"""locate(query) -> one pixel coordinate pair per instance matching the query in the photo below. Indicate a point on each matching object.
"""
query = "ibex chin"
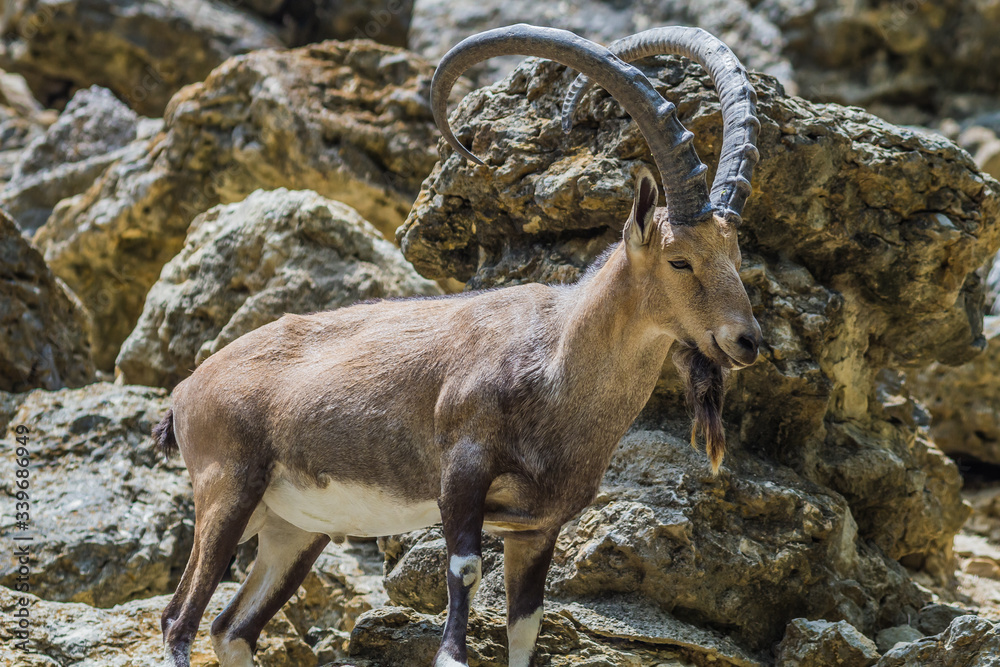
(496, 409)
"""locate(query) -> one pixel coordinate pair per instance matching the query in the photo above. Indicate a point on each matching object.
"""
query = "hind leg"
(223, 506)
(284, 556)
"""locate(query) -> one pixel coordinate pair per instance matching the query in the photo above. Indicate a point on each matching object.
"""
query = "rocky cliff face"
(347, 120)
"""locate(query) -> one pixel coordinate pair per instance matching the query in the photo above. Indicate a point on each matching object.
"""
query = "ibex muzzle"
(496, 410)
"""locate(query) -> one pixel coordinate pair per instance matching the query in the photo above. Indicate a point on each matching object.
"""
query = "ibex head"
(685, 254)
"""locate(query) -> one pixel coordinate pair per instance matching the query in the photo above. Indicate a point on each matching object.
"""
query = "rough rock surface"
(964, 401)
(110, 522)
(440, 24)
(143, 50)
(847, 273)
(298, 23)
(968, 642)
(44, 329)
(570, 636)
(244, 265)
(89, 135)
(900, 634)
(821, 643)
(907, 61)
(22, 120)
(348, 120)
(128, 635)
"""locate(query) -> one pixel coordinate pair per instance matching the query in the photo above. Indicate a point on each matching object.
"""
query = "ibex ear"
(639, 227)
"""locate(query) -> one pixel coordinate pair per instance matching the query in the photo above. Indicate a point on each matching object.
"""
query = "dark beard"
(704, 391)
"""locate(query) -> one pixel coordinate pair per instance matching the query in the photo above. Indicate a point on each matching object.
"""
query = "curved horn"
(681, 171)
(736, 96)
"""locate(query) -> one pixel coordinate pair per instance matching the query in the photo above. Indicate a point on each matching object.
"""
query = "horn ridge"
(681, 171)
(737, 99)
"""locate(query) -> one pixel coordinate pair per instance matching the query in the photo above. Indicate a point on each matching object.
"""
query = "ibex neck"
(608, 339)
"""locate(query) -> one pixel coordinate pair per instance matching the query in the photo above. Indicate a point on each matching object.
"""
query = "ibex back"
(496, 410)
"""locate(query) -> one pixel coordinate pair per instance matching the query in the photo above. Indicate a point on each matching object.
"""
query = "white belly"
(344, 508)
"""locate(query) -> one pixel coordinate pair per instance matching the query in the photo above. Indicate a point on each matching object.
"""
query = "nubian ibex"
(497, 409)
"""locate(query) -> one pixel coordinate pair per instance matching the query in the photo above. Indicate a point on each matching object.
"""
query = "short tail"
(163, 432)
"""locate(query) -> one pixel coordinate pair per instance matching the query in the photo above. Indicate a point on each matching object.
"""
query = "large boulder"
(109, 521)
(964, 401)
(570, 636)
(752, 34)
(143, 50)
(88, 136)
(350, 121)
(848, 273)
(128, 635)
(912, 62)
(821, 643)
(968, 642)
(22, 120)
(44, 329)
(244, 265)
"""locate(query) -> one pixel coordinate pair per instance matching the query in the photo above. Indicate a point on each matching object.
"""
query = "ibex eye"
(681, 265)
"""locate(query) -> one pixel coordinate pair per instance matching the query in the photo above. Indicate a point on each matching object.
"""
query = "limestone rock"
(401, 637)
(908, 61)
(418, 579)
(747, 551)
(348, 120)
(44, 329)
(935, 618)
(143, 50)
(247, 264)
(128, 635)
(110, 522)
(821, 643)
(900, 634)
(964, 401)
(969, 641)
(88, 136)
(440, 24)
(22, 120)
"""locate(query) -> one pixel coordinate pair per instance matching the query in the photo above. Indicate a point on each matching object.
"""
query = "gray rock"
(969, 641)
(247, 264)
(22, 120)
(347, 120)
(440, 24)
(109, 522)
(401, 637)
(935, 618)
(418, 579)
(143, 50)
(964, 401)
(88, 136)
(748, 551)
(127, 635)
(822, 643)
(900, 634)
(44, 329)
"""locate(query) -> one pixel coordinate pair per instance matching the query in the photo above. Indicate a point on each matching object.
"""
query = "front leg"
(526, 559)
(465, 481)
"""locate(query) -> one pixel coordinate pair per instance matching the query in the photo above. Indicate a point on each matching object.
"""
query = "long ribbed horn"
(736, 96)
(682, 173)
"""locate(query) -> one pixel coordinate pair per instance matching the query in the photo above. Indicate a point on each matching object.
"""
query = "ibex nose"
(749, 344)
(743, 344)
